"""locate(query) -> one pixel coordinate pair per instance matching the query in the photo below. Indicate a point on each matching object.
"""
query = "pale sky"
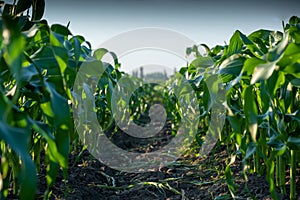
(209, 22)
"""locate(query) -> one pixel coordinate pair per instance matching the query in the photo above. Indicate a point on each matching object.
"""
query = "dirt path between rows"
(189, 178)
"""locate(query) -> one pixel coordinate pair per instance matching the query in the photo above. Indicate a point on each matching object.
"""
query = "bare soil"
(190, 177)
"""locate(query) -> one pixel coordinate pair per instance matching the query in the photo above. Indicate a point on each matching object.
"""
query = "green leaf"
(52, 172)
(52, 151)
(289, 62)
(99, 53)
(235, 44)
(293, 142)
(46, 108)
(296, 82)
(275, 82)
(229, 181)
(293, 69)
(207, 49)
(294, 116)
(229, 77)
(235, 122)
(63, 146)
(60, 29)
(250, 64)
(264, 99)
(263, 71)
(202, 62)
(77, 48)
(275, 53)
(44, 59)
(17, 139)
(251, 148)
(250, 109)
(280, 150)
(60, 108)
(38, 8)
(61, 57)
(217, 50)
(15, 45)
(232, 65)
(23, 5)
(210, 93)
(265, 37)
(192, 49)
(251, 46)
(188, 51)
(294, 20)
(199, 140)
(28, 74)
(56, 40)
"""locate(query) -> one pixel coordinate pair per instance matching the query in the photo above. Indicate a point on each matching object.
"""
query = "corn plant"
(38, 67)
(261, 75)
